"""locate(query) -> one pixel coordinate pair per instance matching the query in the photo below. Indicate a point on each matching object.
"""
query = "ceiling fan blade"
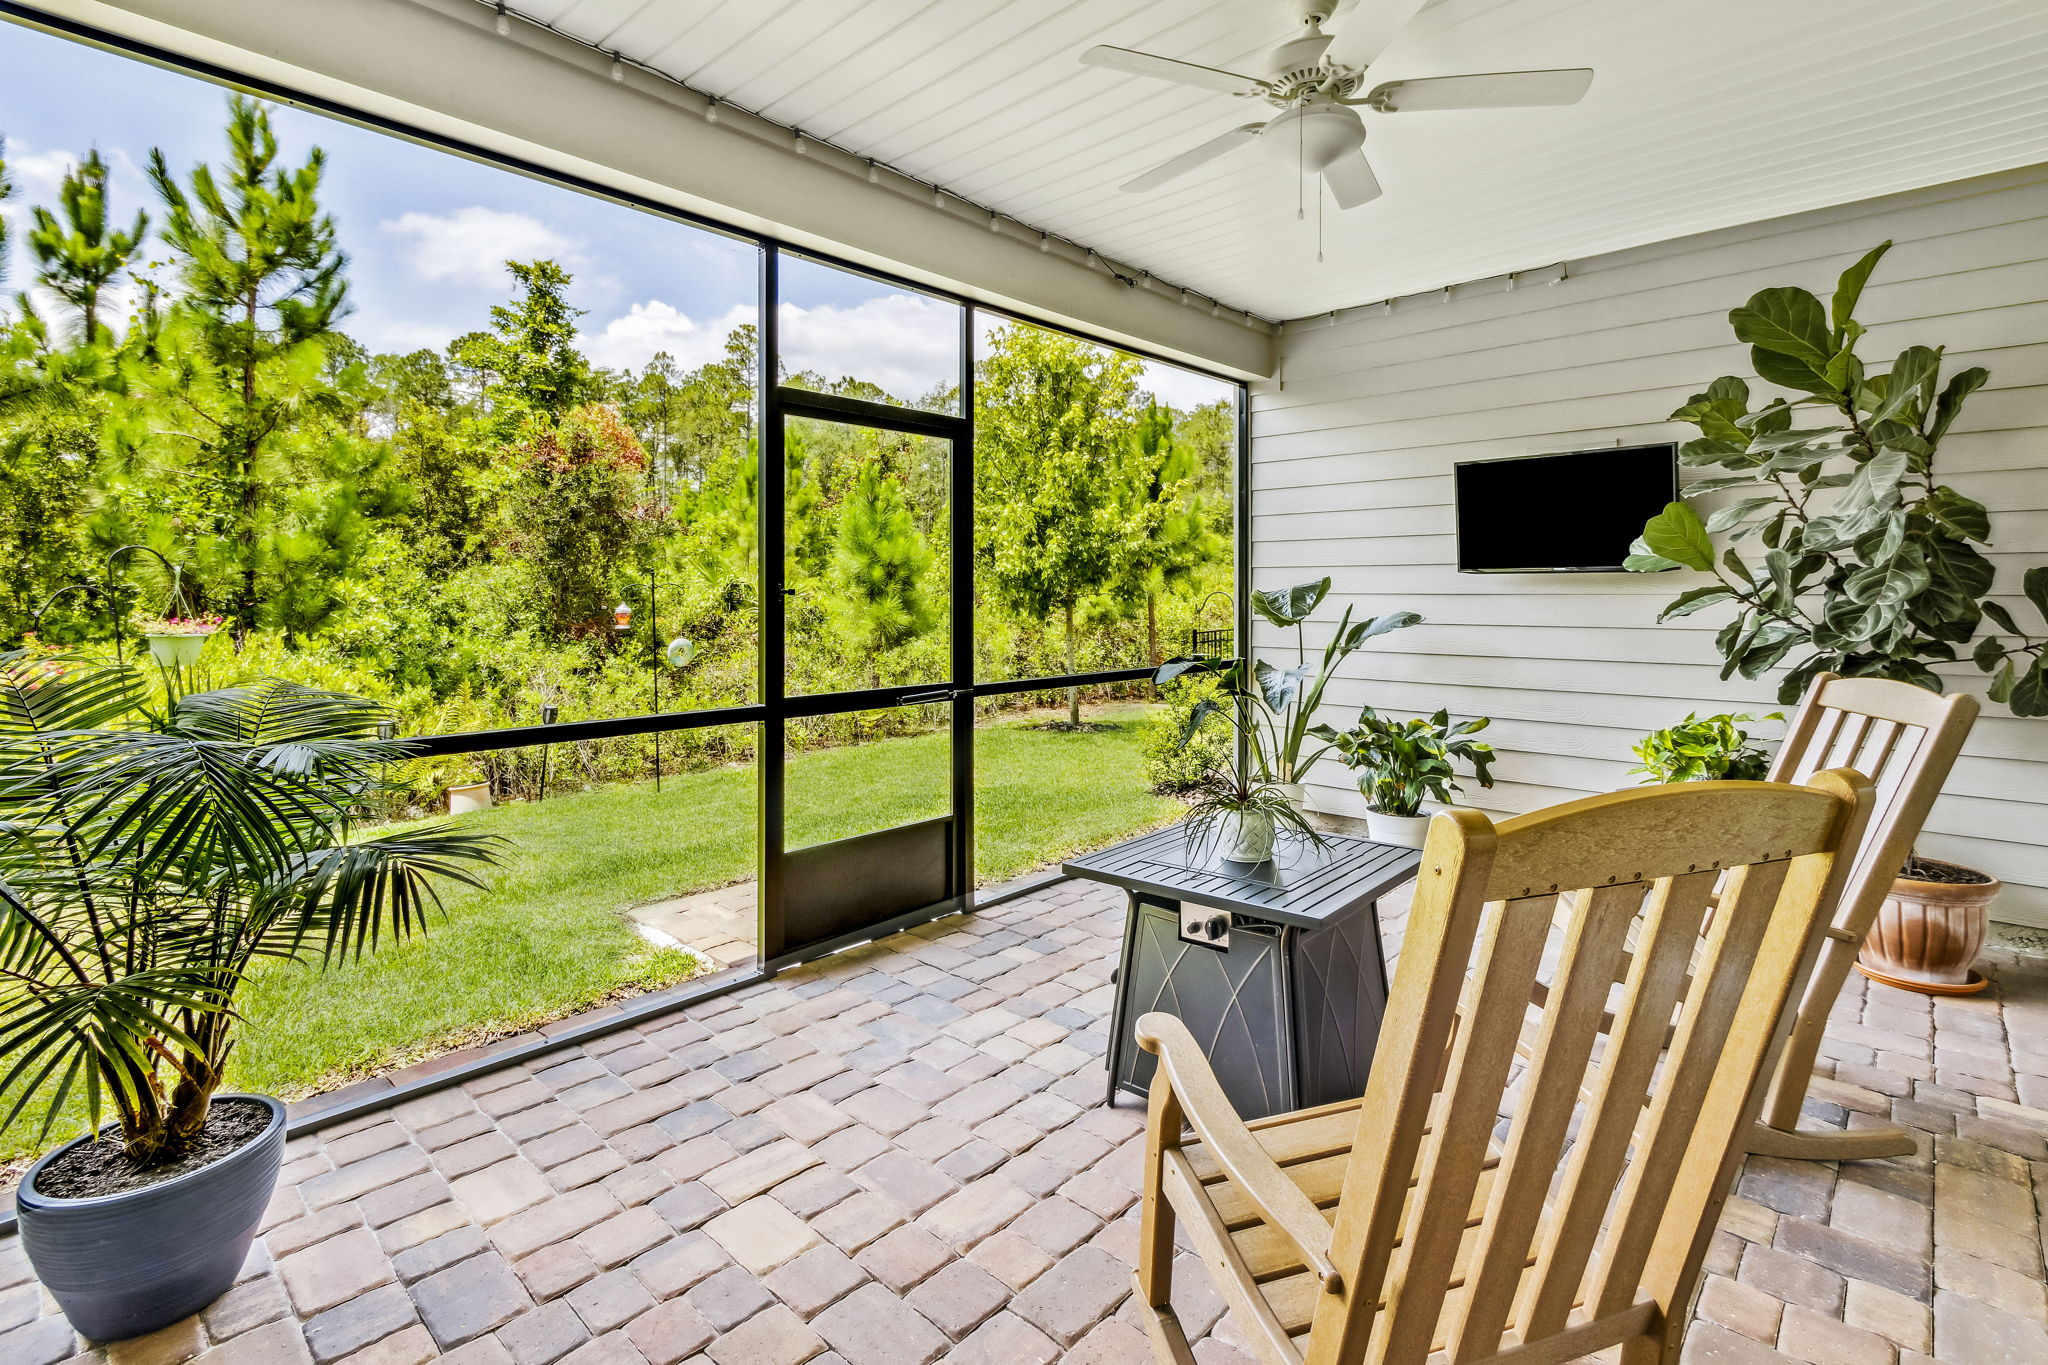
(1364, 32)
(1167, 69)
(1498, 90)
(1188, 160)
(1351, 181)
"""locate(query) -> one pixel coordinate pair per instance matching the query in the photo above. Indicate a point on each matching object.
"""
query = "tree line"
(450, 529)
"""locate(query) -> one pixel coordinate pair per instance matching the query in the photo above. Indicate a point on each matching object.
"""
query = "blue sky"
(427, 233)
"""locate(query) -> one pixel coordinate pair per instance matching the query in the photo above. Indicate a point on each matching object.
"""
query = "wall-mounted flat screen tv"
(1572, 513)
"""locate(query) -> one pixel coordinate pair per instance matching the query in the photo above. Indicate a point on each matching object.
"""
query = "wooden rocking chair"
(1387, 1228)
(1906, 738)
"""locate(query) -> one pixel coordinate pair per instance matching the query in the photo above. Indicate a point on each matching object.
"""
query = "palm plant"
(151, 853)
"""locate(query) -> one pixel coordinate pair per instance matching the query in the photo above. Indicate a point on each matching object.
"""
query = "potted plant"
(176, 641)
(1704, 749)
(1244, 817)
(1402, 763)
(1270, 707)
(149, 855)
(1869, 565)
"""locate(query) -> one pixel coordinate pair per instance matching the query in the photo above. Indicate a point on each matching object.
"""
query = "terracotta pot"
(1927, 934)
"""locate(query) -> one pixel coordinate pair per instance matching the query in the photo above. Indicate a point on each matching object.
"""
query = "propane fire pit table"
(1275, 967)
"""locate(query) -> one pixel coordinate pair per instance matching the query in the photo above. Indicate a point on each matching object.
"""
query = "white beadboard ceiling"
(1702, 115)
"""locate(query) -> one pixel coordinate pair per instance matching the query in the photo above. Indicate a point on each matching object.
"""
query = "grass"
(547, 937)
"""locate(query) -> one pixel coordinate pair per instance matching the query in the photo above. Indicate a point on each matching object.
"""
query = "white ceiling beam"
(441, 67)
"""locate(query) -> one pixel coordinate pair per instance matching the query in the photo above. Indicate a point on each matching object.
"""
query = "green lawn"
(547, 937)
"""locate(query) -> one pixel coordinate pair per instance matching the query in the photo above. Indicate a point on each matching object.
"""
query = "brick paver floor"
(900, 1155)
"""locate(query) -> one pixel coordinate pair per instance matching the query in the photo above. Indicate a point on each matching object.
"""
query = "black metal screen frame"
(773, 402)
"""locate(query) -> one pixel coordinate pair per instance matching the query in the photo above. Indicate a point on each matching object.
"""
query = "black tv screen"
(1574, 513)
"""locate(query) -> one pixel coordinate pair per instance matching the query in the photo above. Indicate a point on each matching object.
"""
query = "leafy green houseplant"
(150, 856)
(1859, 560)
(1704, 748)
(1402, 763)
(1272, 709)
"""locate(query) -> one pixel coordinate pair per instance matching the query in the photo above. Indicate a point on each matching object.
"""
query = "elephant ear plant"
(1273, 708)
(1863, 562)
(150, 856)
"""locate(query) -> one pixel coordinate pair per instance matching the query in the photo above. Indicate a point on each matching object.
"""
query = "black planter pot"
(120, 1265)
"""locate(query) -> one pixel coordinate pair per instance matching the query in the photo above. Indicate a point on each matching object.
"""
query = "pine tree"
(1052, 414)
(242, 444)
(78, 257)
(533, 374)
(881, 572)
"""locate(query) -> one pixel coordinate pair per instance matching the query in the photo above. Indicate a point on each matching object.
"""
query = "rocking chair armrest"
(1184, 1069)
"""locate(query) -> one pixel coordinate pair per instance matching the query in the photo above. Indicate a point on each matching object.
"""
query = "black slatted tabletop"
(1303, 886)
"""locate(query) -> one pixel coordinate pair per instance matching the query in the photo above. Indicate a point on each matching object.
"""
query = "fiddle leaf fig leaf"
(2035, 584)
(1678, 535)
(1960, 387)
(1910, 386)
(1736, 513)
(2030, 693)
(1693, 599)
(1849, 288)
(2002, 683)
(1999, 614)
(1786, 321)
(1989, 652)
(1965, 516)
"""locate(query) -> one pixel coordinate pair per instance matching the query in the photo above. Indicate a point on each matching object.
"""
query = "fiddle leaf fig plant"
(1845, 551)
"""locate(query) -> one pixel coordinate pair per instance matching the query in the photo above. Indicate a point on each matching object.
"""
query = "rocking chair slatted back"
(1590, 1238)
(1906, 738)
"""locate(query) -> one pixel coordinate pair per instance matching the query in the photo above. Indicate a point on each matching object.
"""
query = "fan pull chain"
(1319, 224)
(1300, 170)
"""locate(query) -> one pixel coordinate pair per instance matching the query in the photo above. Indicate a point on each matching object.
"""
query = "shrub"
(1179, 769)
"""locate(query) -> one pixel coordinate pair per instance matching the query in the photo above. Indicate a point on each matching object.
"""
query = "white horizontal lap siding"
(1352, 449)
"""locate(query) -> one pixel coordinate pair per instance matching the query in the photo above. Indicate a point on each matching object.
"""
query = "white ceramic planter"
(475, 796)
(178, 651)
(1244, 836)
(1405, 831)
(1296, 794)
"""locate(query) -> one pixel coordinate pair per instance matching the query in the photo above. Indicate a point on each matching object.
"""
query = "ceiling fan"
(1314, 81)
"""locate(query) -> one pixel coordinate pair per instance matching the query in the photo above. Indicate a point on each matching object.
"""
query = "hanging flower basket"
(176, 642)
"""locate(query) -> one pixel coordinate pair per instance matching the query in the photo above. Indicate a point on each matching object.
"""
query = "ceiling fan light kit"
(1313, 79)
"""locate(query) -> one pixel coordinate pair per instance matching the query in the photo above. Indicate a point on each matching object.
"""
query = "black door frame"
(779, 403)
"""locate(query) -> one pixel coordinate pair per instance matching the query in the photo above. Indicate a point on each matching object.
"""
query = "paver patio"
(900, 1155)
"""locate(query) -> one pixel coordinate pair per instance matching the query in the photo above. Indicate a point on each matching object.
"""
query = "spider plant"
(1230, 798)
(150, 854)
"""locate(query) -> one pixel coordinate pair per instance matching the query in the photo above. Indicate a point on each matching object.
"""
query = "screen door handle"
(918, 698)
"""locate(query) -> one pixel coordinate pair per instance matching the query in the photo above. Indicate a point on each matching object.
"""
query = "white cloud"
(471, 245)
(1183, 389)
(629, 341)
(907, 343)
